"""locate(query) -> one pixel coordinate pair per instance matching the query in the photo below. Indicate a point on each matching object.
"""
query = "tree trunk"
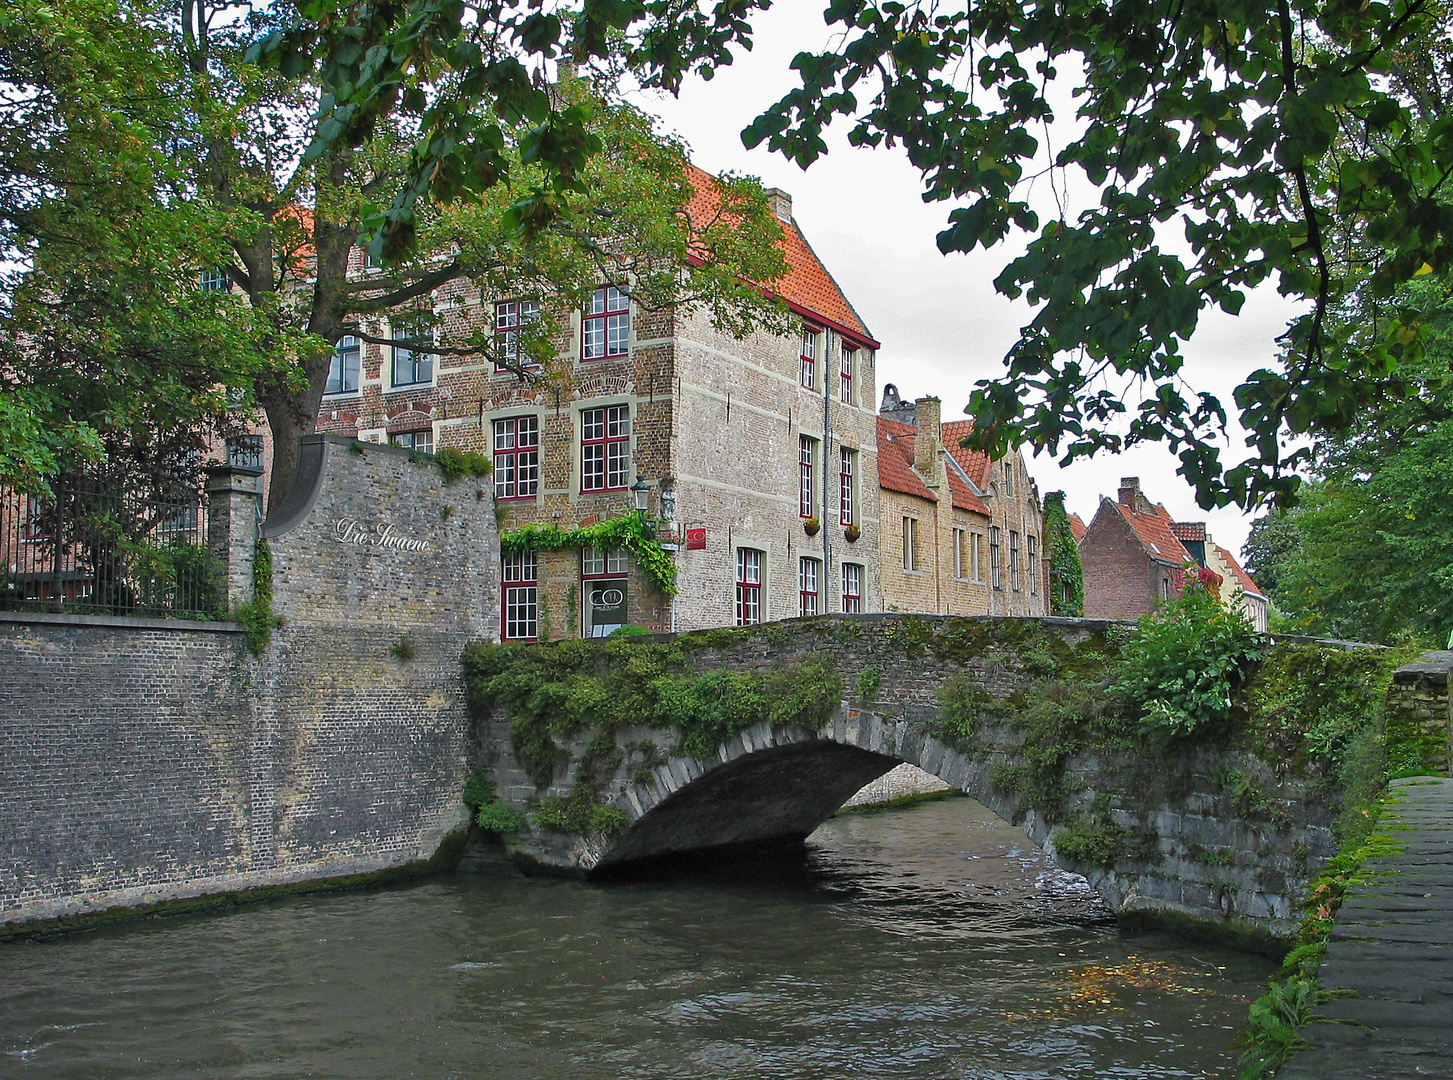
(290, 416)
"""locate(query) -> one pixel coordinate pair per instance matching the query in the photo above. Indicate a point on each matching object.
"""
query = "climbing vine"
(256, 615)
(1066, 576)
(633, 532)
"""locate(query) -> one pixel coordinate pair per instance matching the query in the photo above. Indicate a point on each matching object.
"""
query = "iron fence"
(96, 547)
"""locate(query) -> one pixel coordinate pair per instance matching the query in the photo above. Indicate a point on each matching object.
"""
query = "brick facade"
(715, 429)
(954, 507)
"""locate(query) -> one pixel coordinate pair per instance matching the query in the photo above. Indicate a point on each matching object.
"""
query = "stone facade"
(714, 425)
(149, 760)
(1418, 698)
(961, 535)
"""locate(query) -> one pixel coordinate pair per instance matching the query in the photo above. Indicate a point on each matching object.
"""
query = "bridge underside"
(774, 796)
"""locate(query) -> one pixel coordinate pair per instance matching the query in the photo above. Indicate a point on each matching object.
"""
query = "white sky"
(941, 324)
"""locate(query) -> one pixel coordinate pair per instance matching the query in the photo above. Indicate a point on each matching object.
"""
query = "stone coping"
(120, 622)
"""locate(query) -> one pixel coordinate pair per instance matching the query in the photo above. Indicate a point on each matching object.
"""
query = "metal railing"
(95, 547)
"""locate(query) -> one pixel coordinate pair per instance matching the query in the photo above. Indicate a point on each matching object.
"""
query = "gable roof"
(1153, 529)
(1248, 586)
(807, 287)
(1077, 527)
(895, 460)
(976, 465)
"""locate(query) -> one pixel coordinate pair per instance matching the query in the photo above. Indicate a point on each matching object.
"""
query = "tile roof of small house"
(1248, 585)
(1189, 530)
(1153, 529)
(895, 460)
(808, 287)
(1077, 527)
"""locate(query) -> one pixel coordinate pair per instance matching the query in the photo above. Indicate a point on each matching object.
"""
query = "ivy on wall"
(1066, 577)
(633, 532)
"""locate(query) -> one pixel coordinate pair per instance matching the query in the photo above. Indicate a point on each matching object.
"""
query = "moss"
(1094, 838)
(403, 650)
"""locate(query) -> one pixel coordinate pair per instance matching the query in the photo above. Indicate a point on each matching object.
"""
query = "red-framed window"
(847, 367)
(808, 574)
(509, 317)
(517, 457)
(605, 448)
(806, 461)
(749, 586)
(808, 369)
(847, 474)
(605, 329)
(521, 597)
(852, 587)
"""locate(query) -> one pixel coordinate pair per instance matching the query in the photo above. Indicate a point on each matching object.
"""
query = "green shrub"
(1186, 664)
(489, 813)
(404, 649)
(457, 464)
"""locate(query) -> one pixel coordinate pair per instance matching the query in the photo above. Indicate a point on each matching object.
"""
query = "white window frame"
(852, 587)
(910, 544)
(809, 580)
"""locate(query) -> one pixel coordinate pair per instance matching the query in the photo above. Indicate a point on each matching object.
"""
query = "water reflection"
(931, 942)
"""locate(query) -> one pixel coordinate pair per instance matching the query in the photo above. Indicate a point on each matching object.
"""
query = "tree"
(1066, 575)
(1268, 134)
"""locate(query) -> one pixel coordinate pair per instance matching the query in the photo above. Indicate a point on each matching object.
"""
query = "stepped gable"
(1245, 580)
(808, 288)
(895, 460)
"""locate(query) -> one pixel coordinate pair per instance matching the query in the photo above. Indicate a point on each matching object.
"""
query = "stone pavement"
(1393, 945)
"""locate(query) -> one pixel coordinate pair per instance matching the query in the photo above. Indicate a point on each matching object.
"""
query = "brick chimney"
(1131, 497)
(928, 442)
(781, 204)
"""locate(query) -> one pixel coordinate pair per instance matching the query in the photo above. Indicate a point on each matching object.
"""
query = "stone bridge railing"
(1208, 835)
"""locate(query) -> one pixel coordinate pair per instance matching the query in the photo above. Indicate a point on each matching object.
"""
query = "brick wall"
(1121, 581)
(145, 760)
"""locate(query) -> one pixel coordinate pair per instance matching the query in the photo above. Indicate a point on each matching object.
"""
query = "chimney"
(781, 204)
(1129, 489)
(928, 441)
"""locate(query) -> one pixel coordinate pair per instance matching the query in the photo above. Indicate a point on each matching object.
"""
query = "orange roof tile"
(1153, 530)
(1248, 585)
(1077, 527)
(973, 462)
(808, 288)
(1189, 530)
(895, 460)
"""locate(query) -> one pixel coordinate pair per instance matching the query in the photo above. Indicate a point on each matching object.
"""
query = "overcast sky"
(941, 324)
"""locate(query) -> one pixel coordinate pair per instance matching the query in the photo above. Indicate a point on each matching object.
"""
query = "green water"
(925, 942)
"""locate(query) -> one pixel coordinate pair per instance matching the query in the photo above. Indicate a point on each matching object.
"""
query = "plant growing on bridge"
(489, 812)
(1186, 664)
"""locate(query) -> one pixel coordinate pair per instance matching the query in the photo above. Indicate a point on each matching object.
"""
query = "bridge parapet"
(1216, 834)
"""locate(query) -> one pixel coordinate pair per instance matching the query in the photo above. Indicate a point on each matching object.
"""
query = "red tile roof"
(1077, 527)
(1189, 530)
(1242, 577)
(808, 288)
(976, 464)
(895, 460)
(1153, 529)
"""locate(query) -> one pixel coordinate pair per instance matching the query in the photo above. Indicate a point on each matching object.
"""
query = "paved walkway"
(1393, 945)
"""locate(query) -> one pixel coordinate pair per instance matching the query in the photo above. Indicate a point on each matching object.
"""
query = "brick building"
(759, 453)
(961, 534)
(1134, 557)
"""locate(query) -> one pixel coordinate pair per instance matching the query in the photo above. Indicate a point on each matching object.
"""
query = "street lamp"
(641, 494)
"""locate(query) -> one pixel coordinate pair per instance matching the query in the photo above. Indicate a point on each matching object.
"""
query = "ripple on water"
(928, 942)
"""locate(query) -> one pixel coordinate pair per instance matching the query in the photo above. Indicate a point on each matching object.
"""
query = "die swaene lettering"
(381, 534)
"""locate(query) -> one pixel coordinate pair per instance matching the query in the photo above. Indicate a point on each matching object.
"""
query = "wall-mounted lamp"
(641, 494)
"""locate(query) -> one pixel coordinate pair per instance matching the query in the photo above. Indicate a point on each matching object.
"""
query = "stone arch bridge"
(1202, 836)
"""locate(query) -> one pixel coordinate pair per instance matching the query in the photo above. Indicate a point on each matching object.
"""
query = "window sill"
(410, 386)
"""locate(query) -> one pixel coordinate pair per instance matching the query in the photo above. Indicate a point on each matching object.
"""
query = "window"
(517, 457)
(910, 543)
(852, 588)
(410, 367)
(605, 329)
(605, 448)
(509, 316)
(343, 368)
(1033, 542)
(977, 557)
(214, 279)
(604, 589)
(749, 586)
(422, 441)
(522, 597)
(808, 369)
(38, 516)
(1165, 588)
(1008, 481)
(807, 575)
(1014, 579)
(847, 469)
(806, 459)
(959, 537)
(996, 559)
(847, 366)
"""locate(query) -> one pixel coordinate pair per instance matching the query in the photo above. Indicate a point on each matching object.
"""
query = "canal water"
(929, 942)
